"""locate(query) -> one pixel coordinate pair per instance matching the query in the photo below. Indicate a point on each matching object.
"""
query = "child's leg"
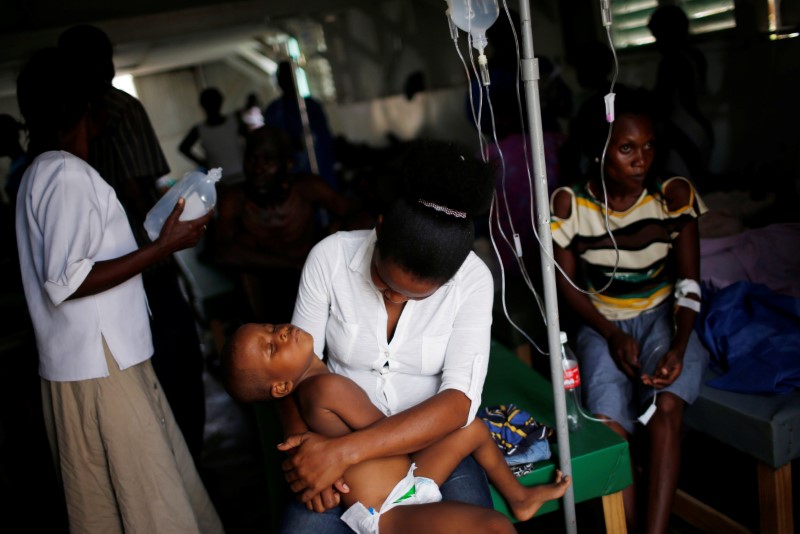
(445, 517)
(325, 412)
(439, 460)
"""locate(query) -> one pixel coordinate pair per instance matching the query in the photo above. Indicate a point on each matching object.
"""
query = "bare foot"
(535, 496)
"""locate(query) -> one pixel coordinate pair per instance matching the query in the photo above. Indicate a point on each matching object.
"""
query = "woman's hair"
(91, 48)
(428, 229)
(53, 95)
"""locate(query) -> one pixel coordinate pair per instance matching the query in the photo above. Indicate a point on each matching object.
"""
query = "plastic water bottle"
(572, 383)
(199, 191)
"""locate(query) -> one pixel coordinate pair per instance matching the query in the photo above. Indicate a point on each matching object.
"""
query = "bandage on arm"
(685, 287)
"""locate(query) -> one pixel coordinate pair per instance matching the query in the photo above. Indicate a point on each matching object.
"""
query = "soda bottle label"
(572, 377)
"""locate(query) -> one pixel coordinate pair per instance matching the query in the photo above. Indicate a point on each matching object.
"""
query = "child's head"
(264, 361)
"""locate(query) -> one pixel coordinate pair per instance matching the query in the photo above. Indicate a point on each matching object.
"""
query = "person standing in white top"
(123, 462)
(221, 138)
(404, 310)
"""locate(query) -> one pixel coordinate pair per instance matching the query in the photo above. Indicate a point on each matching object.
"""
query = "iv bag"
(198, 191)
(474, 17)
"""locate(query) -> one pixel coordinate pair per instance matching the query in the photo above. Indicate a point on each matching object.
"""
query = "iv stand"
(308, 137)
(530, 77)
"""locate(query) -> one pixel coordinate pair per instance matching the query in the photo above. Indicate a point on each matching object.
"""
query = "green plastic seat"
(600, 458)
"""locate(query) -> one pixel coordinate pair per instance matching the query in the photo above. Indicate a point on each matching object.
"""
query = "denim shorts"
(609, 391)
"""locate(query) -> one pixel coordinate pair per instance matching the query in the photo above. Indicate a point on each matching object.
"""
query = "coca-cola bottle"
(572, 383)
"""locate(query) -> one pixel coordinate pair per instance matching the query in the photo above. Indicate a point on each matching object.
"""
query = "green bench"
(600, 459)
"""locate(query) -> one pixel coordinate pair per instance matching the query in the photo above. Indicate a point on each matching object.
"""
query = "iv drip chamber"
(474, 17)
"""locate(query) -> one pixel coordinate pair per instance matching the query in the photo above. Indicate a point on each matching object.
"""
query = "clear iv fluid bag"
(474, 17)
(200, 195)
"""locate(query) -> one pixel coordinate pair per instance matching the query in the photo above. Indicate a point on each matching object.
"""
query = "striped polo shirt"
(644, 235)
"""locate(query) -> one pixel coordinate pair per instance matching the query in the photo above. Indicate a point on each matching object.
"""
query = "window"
(124, 82)
(304, 41)
(630, 17)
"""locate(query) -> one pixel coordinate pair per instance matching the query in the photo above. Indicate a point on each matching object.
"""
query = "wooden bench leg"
(614, 512)
(703, 516)
(775, 498)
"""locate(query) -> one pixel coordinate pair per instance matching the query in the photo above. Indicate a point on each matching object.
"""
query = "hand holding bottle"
(177, 234)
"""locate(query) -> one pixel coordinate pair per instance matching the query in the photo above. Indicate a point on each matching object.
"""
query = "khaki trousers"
(123, 461)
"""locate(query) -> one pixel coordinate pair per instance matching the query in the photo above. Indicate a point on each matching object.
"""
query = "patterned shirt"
(644, 234)
(127, 147)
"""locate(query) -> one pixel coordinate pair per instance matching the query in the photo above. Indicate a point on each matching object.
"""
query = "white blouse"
(441, 342)
(67, 219)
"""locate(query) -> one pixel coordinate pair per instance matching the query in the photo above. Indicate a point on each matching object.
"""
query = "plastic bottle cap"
(563, 337)
(215, 174)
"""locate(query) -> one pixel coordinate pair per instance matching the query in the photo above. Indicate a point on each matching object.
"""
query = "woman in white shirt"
(405, 311)
(123, 462)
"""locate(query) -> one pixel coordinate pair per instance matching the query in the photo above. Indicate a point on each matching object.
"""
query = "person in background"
(10, 147)
(128, 156)
(284, 113)
(220, 137)
(635, 341)
(687, 134)
(404, 310)
(593, 64)
(266, 226)
(124, 464)
(250, 115)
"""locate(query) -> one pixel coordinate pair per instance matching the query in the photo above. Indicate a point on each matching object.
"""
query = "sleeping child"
(264, 361)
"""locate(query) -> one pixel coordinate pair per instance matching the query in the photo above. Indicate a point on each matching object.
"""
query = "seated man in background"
(268, 224)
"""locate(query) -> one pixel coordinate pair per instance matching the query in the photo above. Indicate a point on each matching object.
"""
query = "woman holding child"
(404, 310)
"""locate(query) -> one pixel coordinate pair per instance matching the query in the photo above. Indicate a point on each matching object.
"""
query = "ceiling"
(150, 35)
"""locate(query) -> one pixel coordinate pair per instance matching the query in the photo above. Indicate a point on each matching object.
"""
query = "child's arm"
(329, 405)
(332, 405)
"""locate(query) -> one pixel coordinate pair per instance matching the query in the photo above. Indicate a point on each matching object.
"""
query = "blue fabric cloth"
(513, 429)
(753, 335)
(538, 451)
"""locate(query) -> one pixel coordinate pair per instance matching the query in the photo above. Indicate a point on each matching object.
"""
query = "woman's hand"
(667, 371)
(314, 470)
(178, 235)
(625, 351)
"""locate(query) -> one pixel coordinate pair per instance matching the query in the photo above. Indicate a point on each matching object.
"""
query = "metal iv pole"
(529, 67)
